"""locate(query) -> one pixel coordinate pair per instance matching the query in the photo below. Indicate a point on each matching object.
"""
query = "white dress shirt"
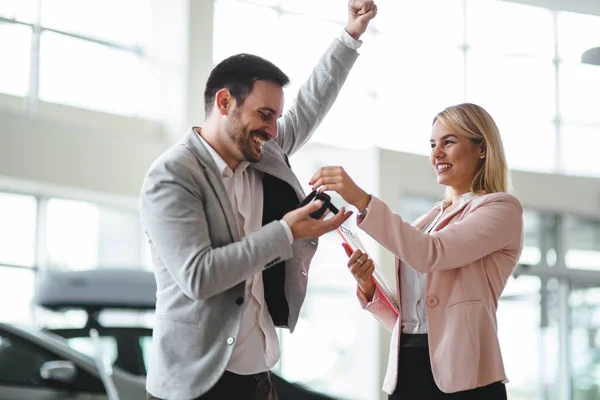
(257, 346)
(412, 284)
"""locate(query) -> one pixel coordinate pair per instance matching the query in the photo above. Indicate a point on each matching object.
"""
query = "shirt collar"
(466, 197)
(222, 166)
(463, 199)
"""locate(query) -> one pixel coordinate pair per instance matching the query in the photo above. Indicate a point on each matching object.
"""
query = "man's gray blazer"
(200, 259)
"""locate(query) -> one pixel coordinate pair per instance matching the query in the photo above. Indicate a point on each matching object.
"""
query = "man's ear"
(224, 101)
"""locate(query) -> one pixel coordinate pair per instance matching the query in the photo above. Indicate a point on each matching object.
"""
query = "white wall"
(74, 148)
(409, 173)
(578, 6)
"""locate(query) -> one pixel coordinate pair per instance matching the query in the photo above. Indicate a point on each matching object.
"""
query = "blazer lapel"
(272, 165)
(192, 142)
(425, 219)
(448, 217)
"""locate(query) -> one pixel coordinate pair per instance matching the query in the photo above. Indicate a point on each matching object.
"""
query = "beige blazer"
(468, 259)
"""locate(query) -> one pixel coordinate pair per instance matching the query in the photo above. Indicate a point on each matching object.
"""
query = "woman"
(452, 265)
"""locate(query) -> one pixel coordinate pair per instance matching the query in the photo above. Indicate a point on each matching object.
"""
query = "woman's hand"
(336, 179)
(362, 267)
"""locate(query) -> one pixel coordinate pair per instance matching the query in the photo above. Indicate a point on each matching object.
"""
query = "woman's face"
(455, 158)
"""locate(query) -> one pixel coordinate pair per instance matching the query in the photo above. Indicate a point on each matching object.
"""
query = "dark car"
(129, 292)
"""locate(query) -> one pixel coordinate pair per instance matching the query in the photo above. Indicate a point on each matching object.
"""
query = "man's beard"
(241, 137)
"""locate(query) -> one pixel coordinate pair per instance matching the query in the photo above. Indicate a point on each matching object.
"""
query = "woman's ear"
(482, 150)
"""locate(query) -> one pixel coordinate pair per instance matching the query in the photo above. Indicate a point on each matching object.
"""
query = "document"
(389, 291)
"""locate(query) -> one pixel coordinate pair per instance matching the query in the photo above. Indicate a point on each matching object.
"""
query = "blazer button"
(239, 301)
(230, 340)
(432, 301)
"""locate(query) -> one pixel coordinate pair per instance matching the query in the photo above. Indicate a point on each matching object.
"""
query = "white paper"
(389, 290)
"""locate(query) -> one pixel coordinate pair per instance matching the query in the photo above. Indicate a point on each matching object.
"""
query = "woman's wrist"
(368, 291)
(362, 203)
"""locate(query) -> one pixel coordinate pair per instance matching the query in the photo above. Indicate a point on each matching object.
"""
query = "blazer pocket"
(465, 302)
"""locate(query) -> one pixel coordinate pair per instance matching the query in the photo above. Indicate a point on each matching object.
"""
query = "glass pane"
(18, 216)
(263, 2)
(576, 34)
(245, 28)
(520, 135)
(16, 292)
(582, 243)
(310, 45)
(145, 343)
(531, 254)
(516, 86)
(99, 78)
(510, 28)
(579, 92)
(520, 306)
(342, 128)
(119, 238)
(83, 235)
(345, 343)
(21, 10)
(86, 346)
(422, 23)
(518, 93)
(72, 234)
(333, 10)
(114, 20)
(409, 94)
(15, 42)
(585, 343)
(579, 146)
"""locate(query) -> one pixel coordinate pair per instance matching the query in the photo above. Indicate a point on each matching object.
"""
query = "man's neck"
(212, 137)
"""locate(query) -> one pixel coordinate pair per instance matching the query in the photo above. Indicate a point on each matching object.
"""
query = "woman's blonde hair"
(472, 121)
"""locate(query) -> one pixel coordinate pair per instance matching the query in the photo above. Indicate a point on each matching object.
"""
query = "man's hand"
(304, 227)
(360, 13)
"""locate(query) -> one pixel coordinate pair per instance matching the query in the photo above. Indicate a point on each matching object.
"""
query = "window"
(111, 85)
(14, 69)
(258, 22)
(86, 346)
(585, 343)
(82, 235)
(532, 238)
(399, 17)
(579, 88)
(72, 234)
(334, 330)
(20, 10)
(578, 149)
(576, 34)
(16, 291)
(17, 229)
(86, 54)
(520, 306)
(530, 33)
(518, 93)
(112, 20)
(582, 243)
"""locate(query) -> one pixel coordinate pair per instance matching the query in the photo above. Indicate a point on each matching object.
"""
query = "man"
(230, 250)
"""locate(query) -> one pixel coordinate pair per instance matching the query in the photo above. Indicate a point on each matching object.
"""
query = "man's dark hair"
(238, 74)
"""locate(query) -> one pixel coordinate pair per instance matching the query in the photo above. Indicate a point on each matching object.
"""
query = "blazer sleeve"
(380, 309)
(494, 224)
(315, 97)
(173, 217)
